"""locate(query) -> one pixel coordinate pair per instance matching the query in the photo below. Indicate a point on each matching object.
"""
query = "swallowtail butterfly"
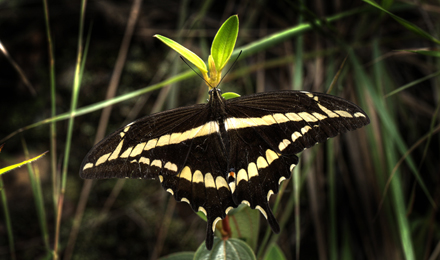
(217, 155)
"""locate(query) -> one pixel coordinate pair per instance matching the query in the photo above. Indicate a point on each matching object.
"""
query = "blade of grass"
(411, 84)
(297, 190)
(408, 25)
(7, 220)
(53, 135)
(18, 69)
(80, 61)
(297, 83)
(34, 178)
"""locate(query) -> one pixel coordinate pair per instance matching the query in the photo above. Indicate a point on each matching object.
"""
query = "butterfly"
(224, 153)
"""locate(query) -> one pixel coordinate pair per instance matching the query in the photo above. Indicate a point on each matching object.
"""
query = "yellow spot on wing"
(126, 153)
(186, 174)
(215, 223)
(88, 165)
(327, 111)
(160, 178)
(228, 209)
(319, 116)
(281, 180)
(137, 150)
(343, 113)
(232, 186)
(359, 114)
(294, 117)
(102, 159)
(171, 166)
(126, 128)
(174, 139)
(116, 152)
(170, 191)
(281, 118)
(252, 170)
(157, 163)
(269, 194)
(144, 160)
(163, 140)
(221, 182)
(262, 211)
(292, 166)
(305, 129)
(241, 175)
(202, 209)
(269, 120)
(209, 181)
(151, 144)
(261, 162)
(295, 136)
(245, 202)
(197, 177)
(271, 156)
(185, 200)
(307, 117)
(283, 145)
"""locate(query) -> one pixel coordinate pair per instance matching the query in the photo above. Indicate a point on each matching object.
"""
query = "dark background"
(141, 221)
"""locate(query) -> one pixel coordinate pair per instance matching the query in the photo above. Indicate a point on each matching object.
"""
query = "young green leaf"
(187, 54)
(224, 42)
(229, 95)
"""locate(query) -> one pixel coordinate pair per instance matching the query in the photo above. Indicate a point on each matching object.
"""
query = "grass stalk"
(74, 101)
(34, 178)
(7, 220)
(53, 135)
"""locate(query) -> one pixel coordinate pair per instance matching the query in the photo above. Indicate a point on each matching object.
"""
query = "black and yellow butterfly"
(217, 155)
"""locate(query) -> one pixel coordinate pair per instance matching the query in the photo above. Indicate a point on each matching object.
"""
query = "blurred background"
(370, 194)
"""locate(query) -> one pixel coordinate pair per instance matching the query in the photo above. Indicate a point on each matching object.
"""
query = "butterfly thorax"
(217, 104)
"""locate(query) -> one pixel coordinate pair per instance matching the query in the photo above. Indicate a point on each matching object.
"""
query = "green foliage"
(187, 54)
(225, 249)
(221, 51)
(224, 42)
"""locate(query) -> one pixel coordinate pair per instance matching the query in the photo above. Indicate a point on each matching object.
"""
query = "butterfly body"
(218, 155)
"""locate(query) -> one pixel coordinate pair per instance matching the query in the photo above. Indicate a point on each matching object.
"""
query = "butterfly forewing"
(227, 152)
(137, 150)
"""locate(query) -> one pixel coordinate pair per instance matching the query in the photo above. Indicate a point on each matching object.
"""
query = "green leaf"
(179, 256)
(187, 54)
(202, 216)
(225, 249)
(245, 225)
(408, 25)
(224, 42)
(229, 95)
(275, 253)
(12, 167)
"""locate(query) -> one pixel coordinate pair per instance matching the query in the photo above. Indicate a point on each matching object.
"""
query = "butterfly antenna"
(235, 61)
(184, 60)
